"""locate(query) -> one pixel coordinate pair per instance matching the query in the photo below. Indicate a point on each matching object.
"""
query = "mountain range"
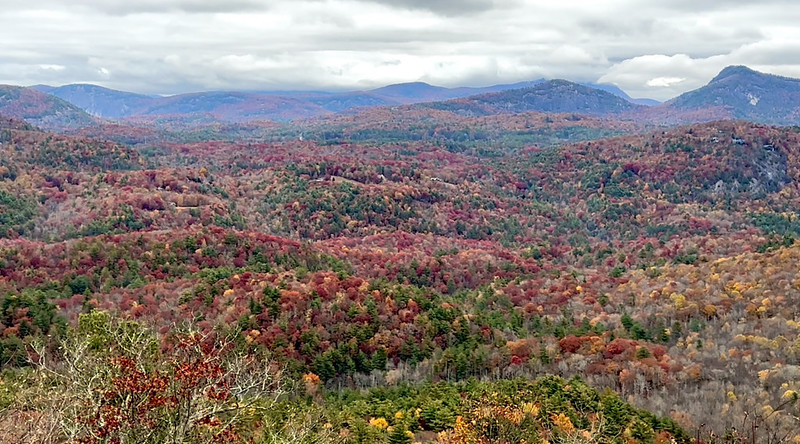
(736, 93)
(327, 266)
(238, 106)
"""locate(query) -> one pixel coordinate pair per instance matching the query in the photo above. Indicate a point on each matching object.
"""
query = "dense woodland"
(401, 274)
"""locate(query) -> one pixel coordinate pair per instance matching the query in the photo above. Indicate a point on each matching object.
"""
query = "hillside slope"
(42, 110)
(554, 96)
(748, 95)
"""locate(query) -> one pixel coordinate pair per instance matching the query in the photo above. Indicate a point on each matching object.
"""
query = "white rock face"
(753, 99)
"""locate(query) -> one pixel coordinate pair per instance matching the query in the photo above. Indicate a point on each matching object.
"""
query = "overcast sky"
(654, 49)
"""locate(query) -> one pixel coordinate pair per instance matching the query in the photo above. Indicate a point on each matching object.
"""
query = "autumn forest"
(462, 271)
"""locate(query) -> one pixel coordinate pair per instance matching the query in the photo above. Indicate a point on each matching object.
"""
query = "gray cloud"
(716, 5)
(127, 7)
(445, 7)
(650, 49)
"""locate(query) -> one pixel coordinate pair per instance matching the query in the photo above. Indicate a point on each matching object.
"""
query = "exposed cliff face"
(759, 168)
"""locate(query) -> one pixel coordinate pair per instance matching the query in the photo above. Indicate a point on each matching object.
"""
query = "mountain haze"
(99, 101)
(736, 93)
(236, 106)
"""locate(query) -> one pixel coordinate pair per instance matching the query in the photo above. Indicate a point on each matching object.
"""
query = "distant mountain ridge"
(42, 110)
(746, 94)
(237, 106)
(737, 92)
(97, 100)
(552, 96)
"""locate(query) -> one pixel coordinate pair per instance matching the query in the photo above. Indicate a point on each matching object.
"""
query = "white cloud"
(52, 67)
(662, 82)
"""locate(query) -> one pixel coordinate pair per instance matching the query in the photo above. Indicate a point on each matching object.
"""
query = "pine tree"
(399, 435)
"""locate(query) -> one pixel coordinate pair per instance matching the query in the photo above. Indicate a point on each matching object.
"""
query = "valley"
(550, 263)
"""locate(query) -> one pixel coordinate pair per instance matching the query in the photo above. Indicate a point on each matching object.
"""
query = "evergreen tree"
(399, 435)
